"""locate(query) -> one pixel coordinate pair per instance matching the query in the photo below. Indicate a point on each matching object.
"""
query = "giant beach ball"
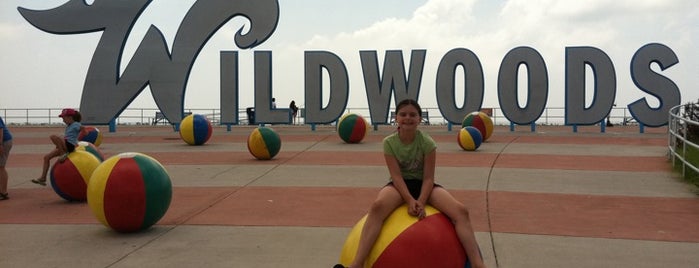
(481, 121)
(264, 143)
(195, 129)
(469, 138)
(91, 135)
(352, 128)
(405, 241)
(70, 177)
(129, 192)
(90, 148)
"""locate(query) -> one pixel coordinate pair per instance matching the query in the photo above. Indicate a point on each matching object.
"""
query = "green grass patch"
(691, 156)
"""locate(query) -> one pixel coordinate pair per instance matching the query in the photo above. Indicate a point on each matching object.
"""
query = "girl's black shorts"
(69, 146)
(414, 187)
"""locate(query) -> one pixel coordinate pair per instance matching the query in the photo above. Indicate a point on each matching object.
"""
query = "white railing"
(147, 116)
(678, 142)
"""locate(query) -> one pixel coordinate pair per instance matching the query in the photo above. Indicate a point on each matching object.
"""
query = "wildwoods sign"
(107, 92)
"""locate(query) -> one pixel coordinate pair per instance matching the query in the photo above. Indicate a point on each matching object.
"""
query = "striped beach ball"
(129, 192)
(352, 128)
(264, 143)
(69, 178)
(481, 121)
(195, 129)
(469, 138)
(90, 148)
(91, 135)
(405, 241)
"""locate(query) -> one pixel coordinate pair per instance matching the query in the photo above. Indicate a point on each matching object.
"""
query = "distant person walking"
(294, 111)
(274, 103)
(65, 144)
(5, 147)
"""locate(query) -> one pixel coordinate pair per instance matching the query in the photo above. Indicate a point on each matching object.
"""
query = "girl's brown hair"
(406, 102)
(77, 117)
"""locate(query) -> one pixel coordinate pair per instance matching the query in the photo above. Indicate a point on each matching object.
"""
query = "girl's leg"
(457, 212)
(387, 201)
(47, 161)
(60, 144)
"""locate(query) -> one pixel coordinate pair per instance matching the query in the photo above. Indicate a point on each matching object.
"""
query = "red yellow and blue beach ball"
(195, 129)
(352, 128)
(129, 192)
(69, 178)
(264, 143)
(91, 135)
(481, 121)
(469, 138)
(405, 241)
(90, 148)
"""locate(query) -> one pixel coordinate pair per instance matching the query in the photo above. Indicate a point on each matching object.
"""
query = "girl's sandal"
(4, 196)
(40, 182)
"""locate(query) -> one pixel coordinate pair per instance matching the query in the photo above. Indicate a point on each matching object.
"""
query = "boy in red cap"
(65, 144)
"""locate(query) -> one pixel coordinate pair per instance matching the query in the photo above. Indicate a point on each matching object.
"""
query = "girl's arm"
(428, 177)
(397, 177)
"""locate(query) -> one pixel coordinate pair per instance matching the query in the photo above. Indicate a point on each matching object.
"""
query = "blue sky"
(42, 70)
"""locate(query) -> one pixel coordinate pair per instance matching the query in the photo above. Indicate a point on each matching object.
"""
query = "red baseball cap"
(68, 112)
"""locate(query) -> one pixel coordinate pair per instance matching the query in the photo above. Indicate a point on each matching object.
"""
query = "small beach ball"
(129, 192)
(195, 129)
(69, 178)
(352, 128)
(405, 241)
(481, 121)
(91, 135)
(264, 143)
(90, 148)
(469, 138)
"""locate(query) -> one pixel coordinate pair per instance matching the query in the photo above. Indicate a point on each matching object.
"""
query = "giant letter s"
(653, 83)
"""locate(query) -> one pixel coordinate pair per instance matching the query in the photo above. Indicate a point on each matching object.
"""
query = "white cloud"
(9, 31)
